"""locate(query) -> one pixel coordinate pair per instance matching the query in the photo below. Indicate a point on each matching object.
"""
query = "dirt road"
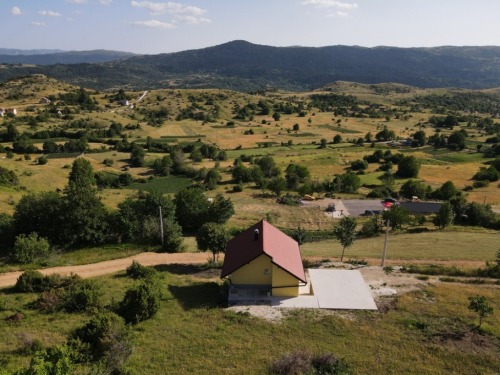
(111, 266)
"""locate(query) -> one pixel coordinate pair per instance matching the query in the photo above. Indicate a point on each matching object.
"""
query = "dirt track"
(111, 266)
(153, 259)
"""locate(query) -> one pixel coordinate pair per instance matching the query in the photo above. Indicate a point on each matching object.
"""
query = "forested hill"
(243, 66)
(70, 57)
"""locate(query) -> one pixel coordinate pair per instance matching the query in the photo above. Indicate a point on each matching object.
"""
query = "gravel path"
(111, 266)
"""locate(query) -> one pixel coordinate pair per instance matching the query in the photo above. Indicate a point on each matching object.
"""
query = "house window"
(266, 271)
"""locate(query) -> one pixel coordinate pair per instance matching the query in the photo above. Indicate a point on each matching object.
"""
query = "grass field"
(422, 332)
(164, 185)
(437, 245)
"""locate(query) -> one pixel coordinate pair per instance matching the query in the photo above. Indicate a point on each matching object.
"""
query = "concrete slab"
(341, 289)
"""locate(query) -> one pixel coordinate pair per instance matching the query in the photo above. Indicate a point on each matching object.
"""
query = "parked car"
(389, 200)
(377, 212)
(308, 197)
(369, 213)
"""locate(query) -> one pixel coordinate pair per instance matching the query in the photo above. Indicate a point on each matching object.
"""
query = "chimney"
(256, 234)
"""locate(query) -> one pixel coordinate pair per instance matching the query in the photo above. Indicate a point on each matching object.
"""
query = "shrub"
(238, 188)
(81, 295)
(30, 282)
(42, 160)
(101, 337)
(3, 303)
(138, 271)
(108, 162)
(140, 302)
(306, 363)
(27, 248)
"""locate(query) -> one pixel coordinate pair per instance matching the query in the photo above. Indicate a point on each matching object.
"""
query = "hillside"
(71, 57)
(244, 66)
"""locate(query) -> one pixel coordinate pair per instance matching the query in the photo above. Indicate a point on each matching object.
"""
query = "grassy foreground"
(425, 332)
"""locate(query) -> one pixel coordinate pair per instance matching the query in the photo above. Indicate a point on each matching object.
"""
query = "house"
(422, 207)
(264, 258)
(123, 102)
(2, 111)
(44, 101)
(12, 110)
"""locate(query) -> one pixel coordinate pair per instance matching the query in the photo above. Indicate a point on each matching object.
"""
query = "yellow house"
(264, 257)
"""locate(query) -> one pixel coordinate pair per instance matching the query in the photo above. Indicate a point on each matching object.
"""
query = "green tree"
(54, 361)
(141, 302)
(480, 305)
(84, 217)
(456, 140)
(161, 167)
(446, 191)
(345, 233)
(28, 248)
(137, 156)
(348, 183)
(420, 138)
(299, 235)
(221, 209)
(42, 160)
(212, 237)
(296, 127)
(277, 185)
(241, 174)
(413, 188)
(191, 208)
(337, 139)
(323, 143)
(296, 174)
(276, 116)
(398, 216)
(445, 216)
(408, 167)
(212, 179)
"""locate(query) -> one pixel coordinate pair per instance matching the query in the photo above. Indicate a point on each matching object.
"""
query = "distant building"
(44, 101)
(12, 110)
(123, 102)
(422, 207)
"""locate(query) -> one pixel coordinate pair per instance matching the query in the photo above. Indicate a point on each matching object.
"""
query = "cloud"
(105, 2)
(154, 24)
(172, 8)
(77, 1)
(49, 13)
(16, 11)
(191, 20)
(329, 4)
(34, 23)
(338, 14)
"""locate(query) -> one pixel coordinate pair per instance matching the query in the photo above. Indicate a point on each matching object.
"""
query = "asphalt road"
(357, 207)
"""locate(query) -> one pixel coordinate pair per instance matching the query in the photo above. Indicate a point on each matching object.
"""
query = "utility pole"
(484, 202)
(161, 227)
(385, 244)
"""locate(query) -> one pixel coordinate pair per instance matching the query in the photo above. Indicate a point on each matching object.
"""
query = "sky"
(152, 27)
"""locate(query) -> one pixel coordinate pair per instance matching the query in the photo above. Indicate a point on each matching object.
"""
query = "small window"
(266, 271)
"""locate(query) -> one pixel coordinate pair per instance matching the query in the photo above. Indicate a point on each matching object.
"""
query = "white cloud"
(105, 2)
(49, 13)
(35, 23)
(16, 11)
(172, 8)
(77, 1)
(329, 4)
(191, 20)
(154, 24)
(338, 14)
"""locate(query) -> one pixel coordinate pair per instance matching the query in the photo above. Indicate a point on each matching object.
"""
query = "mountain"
(71, 57)
(244, 66)
(13, 51)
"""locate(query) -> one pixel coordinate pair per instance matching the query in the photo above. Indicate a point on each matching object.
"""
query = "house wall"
(283, 278)
(253, 273)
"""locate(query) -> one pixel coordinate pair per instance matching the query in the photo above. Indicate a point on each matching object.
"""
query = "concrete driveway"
(357, 207)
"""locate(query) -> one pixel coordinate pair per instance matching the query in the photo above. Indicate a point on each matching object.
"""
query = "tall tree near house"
(345, 232)
(212, 237)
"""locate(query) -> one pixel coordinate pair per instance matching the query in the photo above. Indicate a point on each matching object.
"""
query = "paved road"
(357, 207)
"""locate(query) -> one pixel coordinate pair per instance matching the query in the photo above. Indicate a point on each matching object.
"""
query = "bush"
(42, 160)
(371, 228)
(30, 282)
(81, 295)
(238, 188)
(108, 162)
(305, 363)
(138, 271)
(141, 302)
(105, 335)
(28, 248)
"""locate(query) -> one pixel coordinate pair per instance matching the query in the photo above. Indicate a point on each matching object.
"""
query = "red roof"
(283, 250)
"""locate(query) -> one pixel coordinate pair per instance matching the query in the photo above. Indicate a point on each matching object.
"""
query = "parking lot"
(357, 207)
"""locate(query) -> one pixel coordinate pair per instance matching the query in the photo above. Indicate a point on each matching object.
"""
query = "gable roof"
(283, 250)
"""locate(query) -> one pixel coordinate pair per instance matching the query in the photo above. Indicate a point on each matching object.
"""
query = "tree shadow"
(203, 295)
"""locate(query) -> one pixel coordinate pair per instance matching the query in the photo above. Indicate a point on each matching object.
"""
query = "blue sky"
(159, 27)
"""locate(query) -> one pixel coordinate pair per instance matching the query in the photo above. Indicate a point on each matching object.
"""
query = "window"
(266, 271)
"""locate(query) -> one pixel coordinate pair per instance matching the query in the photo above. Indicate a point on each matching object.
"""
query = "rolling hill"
(244, 66)
(70, 57)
